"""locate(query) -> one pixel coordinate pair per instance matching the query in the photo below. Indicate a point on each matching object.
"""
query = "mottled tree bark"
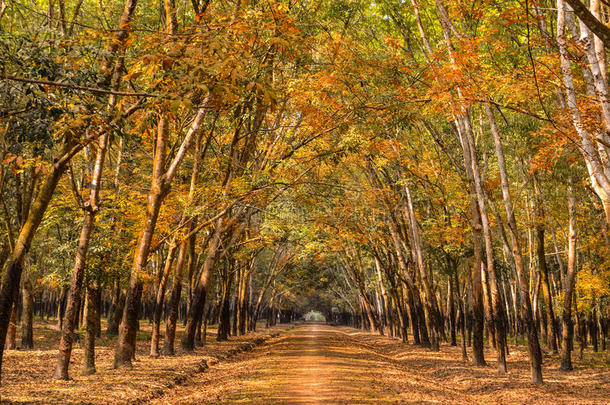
(93, 315)
(27, 316)
(535, 354)
(13, 267)
(201, 289)
(567, 327)
(159, 300)
(116, 310)
(90, 210)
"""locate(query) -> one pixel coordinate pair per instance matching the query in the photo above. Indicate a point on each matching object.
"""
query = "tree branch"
(596, 26)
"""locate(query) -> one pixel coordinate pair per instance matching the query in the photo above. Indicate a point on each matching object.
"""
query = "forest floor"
(27, 374)
(306, 364)
(319, 364)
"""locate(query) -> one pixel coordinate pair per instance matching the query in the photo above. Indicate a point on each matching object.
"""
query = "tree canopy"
(435, 170)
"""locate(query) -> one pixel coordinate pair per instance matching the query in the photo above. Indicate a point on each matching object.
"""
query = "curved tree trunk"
(14, 265)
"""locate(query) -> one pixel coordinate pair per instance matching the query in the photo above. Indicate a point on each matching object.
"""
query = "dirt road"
(311, 364)
(319, 364)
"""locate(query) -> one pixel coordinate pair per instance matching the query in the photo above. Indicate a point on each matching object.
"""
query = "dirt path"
(312, 364)
(319, 364)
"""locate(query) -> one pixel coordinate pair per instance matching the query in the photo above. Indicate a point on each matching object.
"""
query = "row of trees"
(434, 168)
(205, 105)
(481, 163)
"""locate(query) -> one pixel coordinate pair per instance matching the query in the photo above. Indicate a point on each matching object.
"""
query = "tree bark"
(201, 289)
(90, 210)
(595, 25)
(159, 300)
(93, 315)
(13, 267)
(535, 355)
(27, 316)
(567, 327)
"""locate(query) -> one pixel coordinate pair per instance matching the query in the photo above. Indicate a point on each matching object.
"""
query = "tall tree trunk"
(158, 189)
(186, 248)
(13, 267)
(201, 289)
(534, 351)
(430, 303)
(465, 132)
(90, 210)
(567, 327)
(110, 77)
(464, 129)
(160, 186)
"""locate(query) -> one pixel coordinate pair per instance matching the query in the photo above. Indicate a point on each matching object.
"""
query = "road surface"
(311, 364)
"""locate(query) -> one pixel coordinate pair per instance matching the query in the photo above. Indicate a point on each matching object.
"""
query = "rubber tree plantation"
(304, 201)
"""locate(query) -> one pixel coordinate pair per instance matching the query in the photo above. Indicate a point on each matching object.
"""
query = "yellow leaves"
(592, 284)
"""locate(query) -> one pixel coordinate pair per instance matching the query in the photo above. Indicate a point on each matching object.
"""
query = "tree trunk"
(464, 129)
(93, 315)
(27, 316)
(158, 191)
(90, 210)
(430, 303)
(199, 294)
(159, 188)
(463, 124)
(13, 267)
(535, 354)
(11, 340)
(118, 303)
(159, 300)
(567, 327)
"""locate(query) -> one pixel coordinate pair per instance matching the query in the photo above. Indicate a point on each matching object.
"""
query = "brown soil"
(328, 365)
(27, 374)
(310, 364)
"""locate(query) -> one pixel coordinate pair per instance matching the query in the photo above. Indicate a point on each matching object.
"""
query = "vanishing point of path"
(311, 364)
